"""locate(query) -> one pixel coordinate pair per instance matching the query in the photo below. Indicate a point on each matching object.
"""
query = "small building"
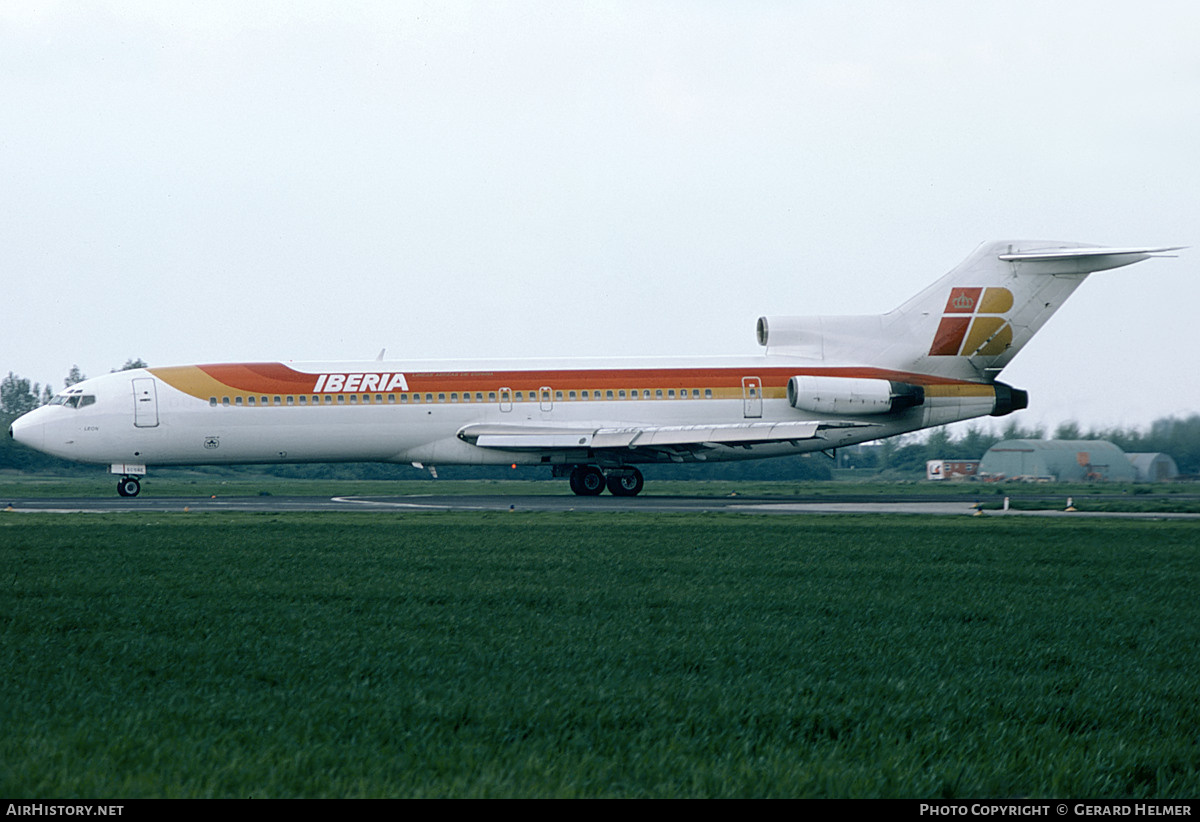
(951, 469)
(1057, 461)
(1155, 467)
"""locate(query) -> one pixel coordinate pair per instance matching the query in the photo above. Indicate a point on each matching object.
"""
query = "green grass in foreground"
(597, 655)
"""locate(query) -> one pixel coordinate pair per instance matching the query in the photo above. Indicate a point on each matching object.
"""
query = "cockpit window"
(73, 399)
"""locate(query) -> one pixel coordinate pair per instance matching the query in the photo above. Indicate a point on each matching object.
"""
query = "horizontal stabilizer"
(1082, 260)
(1091, 252)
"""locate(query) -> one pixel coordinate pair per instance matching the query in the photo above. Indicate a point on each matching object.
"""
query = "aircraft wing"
(668, 438)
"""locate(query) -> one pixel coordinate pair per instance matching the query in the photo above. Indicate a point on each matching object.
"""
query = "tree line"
(1180, 438)
(899, 456)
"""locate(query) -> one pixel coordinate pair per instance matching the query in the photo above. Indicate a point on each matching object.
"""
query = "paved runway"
(505, 502)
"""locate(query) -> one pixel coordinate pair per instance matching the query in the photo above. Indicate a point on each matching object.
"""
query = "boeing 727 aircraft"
(821, 383)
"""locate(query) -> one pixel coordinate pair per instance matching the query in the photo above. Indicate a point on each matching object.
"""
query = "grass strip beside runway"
(597, 655)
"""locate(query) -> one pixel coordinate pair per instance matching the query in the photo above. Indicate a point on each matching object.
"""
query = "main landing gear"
(590, 481)
(128, 486)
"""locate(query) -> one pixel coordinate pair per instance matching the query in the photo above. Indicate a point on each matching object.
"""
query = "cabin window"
(658, 395)
(341, 399)
(212, 401)
(453, 396)
(303, 400)
(621, 394)
(224, 400)
(429, 398)
(391, 399)
(708, 393)
(237, 400)
(328, 399)
(441, 397)
(608, 394)
(250, 400)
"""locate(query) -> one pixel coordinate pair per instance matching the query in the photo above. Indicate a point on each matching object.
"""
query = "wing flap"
(543, 438)
(721, 434)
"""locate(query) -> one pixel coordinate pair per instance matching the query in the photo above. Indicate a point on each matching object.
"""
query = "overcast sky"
(209, 182)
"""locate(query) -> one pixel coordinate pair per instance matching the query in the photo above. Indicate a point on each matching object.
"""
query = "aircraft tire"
(627, 483)
(587, 480)
(128, 486)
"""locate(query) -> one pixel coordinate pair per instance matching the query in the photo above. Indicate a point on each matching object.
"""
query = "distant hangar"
(1154, 467)
(1073, 461)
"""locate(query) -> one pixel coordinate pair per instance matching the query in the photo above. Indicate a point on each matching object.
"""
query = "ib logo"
(972, 323)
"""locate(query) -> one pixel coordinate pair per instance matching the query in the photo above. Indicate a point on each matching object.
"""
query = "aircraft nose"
(28, 432)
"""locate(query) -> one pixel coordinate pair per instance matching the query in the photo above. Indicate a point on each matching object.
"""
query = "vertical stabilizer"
(967, 325)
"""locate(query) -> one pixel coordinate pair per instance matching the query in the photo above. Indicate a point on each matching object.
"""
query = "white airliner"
(821, 383)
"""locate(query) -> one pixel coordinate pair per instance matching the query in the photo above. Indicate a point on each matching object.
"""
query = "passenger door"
(145, 403)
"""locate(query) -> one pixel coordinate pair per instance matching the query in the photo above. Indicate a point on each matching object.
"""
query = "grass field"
(597, 655)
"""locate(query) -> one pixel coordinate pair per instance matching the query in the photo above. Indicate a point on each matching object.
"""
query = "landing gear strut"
(590, 481)
(128, 486)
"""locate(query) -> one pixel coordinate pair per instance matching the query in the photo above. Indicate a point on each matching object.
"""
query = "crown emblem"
(962, 301)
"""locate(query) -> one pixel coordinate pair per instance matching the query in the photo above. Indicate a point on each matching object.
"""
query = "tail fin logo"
(973, 323)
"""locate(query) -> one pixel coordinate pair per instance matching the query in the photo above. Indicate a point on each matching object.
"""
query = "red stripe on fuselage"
(277, 378)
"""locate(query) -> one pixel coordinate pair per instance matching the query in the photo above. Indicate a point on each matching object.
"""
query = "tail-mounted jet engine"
(844, 395)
